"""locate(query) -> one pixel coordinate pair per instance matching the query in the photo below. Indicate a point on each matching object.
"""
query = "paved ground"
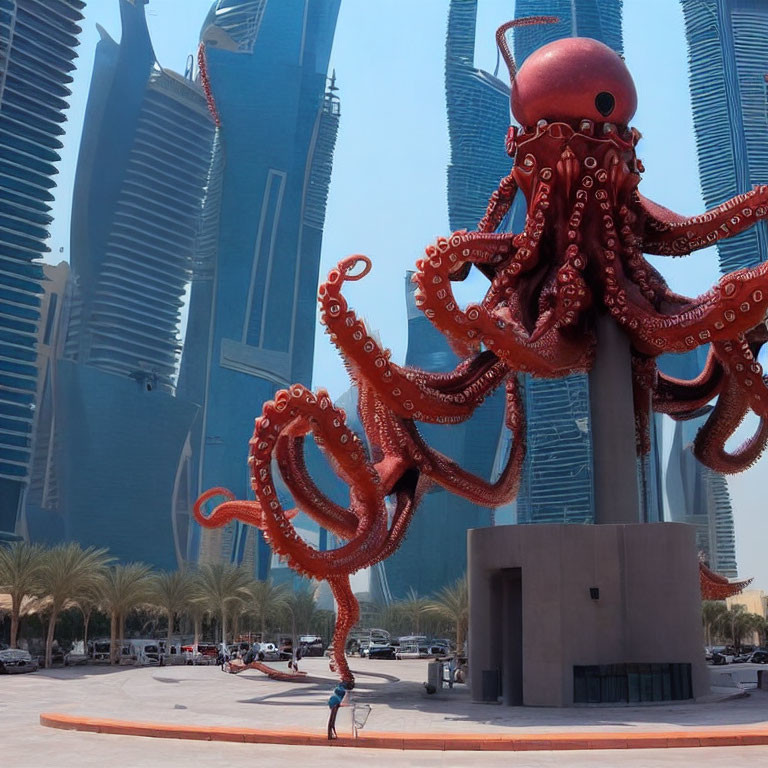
(204, 695)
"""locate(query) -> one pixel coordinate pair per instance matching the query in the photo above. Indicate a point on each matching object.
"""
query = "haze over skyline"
(387, 195)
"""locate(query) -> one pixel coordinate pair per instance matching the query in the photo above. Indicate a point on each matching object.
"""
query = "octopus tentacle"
(366, 497)
(551, 354)
(499, 204)
(744, 371)
(679, 398)
(670, 234)
(406, 391)
(289, 453)
(709, 445)
(572, 295)
(736, 304)
(525, 256)
(449, 475)
(393, 451)
(346, 618)
(245, 511)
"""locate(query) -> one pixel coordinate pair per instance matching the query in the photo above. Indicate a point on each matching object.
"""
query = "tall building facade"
(728, 62)
(695, 494)
(41, 519)
(252, 311)
(137, 223)
(37, 53)
(728, 59)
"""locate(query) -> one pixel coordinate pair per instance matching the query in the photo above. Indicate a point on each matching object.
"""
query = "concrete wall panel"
(648, 610)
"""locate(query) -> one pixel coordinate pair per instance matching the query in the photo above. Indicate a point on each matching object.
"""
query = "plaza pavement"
(204, 696)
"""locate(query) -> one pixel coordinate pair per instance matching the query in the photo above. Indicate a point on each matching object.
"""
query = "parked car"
(723, 655)
(59, 657)
(206, 653)
(237, 650)
(98, 650)
(379, 651)
(311, 645)
(270, 650)
(760, 656)
(15, 661)
(144, 652)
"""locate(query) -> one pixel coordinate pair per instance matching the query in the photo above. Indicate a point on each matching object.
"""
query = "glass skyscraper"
(728, 60)
(728, 57)
(37, 51)
(253, 306)
(137, 226)
(41, 520)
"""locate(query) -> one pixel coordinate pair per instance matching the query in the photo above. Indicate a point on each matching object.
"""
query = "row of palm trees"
(731, 624)
(448, 611)
(67, 575)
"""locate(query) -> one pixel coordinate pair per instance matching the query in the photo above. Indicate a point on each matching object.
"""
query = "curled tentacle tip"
(211, 493)
(345, 266)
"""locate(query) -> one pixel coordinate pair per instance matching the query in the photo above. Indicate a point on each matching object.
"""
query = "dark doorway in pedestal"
(507, 633)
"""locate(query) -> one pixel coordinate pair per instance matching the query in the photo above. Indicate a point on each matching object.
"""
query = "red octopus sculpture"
(579, 254)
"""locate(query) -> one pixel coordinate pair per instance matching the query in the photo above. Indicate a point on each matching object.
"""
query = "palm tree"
(413, 608)
(713, 613)
(761, 627)
(172, 593)
(452, 604)
(68, 572)
(739, 622)
(19, 570)
(123, 588)
(269, 602)
(87, 603)
(300, 605)
(196, 609)
(222, 588)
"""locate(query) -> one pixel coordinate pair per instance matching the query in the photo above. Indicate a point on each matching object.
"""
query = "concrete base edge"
(725, 737)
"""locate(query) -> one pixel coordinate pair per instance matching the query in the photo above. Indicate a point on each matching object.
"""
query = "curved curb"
(447, 742)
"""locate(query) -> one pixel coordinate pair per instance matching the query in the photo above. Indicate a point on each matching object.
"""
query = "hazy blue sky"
(387, 196)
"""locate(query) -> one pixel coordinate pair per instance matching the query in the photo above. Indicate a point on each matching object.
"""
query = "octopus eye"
(605, 102)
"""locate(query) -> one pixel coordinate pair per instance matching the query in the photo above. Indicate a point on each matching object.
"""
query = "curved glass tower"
(37, 51)
(137, 226)
(252, 309)
(728, 58)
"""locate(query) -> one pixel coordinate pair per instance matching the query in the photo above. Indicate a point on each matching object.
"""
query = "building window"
(52, 304)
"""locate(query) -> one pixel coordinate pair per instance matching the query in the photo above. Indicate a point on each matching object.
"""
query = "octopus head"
(568, 80)
(571, 79)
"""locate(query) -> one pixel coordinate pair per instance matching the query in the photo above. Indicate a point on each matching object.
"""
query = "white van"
(145, 652)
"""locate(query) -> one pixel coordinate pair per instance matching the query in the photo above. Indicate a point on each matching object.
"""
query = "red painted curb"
(723, 737)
